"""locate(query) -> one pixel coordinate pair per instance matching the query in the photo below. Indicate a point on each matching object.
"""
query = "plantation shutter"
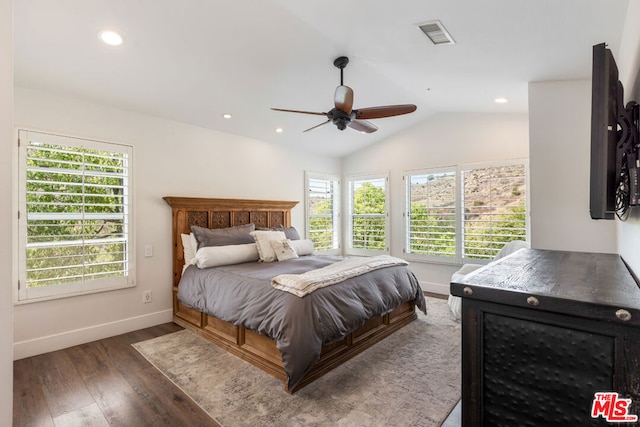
(369, 214)
(322, 215)
(494, 209)
(75, 215)
(431, 217)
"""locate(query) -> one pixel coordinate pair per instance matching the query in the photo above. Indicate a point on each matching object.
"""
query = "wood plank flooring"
(107, 383)
(102, 383)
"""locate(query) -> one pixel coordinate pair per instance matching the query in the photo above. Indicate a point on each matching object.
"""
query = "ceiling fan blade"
(317, 126)
(299, 111)
(363, 126)
(384, 111)
(343, 98)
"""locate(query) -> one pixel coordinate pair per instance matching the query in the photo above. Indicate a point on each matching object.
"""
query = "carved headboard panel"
(221, 213)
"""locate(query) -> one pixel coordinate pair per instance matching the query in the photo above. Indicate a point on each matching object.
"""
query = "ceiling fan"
(343, 114)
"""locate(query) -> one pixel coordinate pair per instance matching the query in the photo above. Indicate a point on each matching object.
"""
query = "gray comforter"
(242, 294)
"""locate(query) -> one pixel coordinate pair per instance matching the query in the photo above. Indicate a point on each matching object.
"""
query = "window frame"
(23, 294)
(458, 257)
(336, 211)
(350, 250)
(412, 256)
(470, 167)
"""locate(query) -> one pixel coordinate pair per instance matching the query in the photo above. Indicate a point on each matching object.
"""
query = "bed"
(248, 336)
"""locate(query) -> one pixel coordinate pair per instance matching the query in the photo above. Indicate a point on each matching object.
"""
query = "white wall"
(6, 137)
(628, 60)
(170, 159)
(560, 132)
(444, 139)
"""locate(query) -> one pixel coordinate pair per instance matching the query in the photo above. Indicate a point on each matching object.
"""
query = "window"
(368, 219)
(463, 212)
(431, 222)
(494, 203)
(323, 211)
(75, 216)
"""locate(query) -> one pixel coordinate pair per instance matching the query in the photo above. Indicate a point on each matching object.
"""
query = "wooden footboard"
(250, 346)
(261, 351)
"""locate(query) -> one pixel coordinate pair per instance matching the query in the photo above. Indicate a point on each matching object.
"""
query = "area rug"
(411, 378)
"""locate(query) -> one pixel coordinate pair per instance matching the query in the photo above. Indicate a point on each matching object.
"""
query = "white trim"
(459, 169)
(349, 250)
(67, 339)
(336, 202)
(407, 211)
(436, 288)
(22, 294)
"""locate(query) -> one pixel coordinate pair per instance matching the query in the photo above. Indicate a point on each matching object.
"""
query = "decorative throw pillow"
(237, 235)
(263, 239)
(189, 250)
(303, 247)
(290, 232)
(283, 249)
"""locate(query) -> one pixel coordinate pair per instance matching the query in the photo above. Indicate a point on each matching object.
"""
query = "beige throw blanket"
(303, 284)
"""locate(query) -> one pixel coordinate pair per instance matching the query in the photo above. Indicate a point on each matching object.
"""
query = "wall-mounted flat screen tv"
(604, 87)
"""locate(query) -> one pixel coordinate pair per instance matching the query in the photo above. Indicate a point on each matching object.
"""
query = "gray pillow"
(237, 235)
(290, 232)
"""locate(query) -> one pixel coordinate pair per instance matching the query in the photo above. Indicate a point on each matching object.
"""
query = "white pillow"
(303, 247)
(189, 246)
(263, 240)
(216, 256)
(283, 249)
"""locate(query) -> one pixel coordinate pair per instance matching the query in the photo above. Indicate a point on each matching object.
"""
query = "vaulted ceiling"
(194, 60)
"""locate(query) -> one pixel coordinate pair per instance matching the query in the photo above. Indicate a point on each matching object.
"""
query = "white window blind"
(322, 211)
(431, 218)
(368, 214)
(465, 213)
(75, 216)
(494, 203)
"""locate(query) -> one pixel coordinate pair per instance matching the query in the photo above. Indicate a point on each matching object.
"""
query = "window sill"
(17, 301)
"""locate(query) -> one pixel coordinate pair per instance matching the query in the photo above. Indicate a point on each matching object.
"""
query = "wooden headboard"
(220, 213)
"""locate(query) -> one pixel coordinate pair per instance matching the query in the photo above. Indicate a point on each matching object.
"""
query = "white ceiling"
(193, 60)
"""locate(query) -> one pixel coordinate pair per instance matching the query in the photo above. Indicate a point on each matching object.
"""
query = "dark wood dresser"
(542, 332)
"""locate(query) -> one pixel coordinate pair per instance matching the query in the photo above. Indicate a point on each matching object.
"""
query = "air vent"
(436, 32)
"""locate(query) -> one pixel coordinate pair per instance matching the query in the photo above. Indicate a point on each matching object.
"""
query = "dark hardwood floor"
(102, 383)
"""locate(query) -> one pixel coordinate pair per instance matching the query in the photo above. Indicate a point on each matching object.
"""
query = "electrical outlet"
(146, 296)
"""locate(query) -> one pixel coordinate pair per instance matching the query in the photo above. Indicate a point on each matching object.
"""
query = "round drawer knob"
(623, 315)
(533, 301)
(467, 291)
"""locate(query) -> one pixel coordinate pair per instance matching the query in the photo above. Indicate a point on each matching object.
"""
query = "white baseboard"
(67, 339)
(436, 288)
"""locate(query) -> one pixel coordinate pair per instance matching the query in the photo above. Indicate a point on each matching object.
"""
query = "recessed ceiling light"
(226, 116)
(501, 100)
(110, 37)
(279, 130)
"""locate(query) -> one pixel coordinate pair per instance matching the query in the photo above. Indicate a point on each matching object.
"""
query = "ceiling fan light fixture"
(436, 32)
